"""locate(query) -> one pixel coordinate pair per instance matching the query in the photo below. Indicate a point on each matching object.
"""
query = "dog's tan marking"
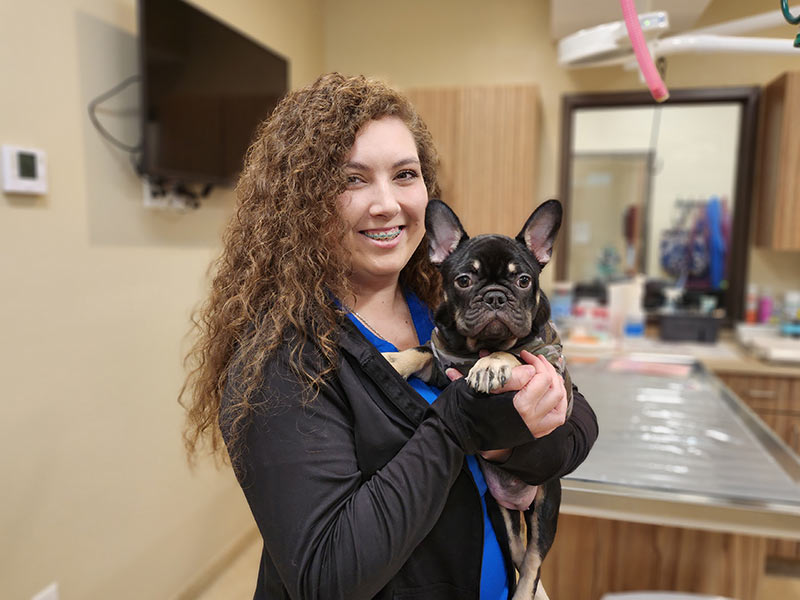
(516, 542)
(532, 562)
(408, 361)
(491, 372)
(476, 264)
(512, 268)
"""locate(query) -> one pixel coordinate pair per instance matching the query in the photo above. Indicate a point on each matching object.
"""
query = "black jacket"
(365, 493)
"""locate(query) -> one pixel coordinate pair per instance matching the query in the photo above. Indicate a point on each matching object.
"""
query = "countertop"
(677, 448)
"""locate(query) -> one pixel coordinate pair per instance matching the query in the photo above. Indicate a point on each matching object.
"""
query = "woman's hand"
(541, 398)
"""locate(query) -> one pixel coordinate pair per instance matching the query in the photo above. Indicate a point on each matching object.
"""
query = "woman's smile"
(384, 235)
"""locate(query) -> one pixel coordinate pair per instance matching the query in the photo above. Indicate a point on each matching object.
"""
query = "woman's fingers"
(542, 402)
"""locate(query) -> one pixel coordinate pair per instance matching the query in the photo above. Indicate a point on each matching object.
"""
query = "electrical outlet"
(48, 593)
(167, 201)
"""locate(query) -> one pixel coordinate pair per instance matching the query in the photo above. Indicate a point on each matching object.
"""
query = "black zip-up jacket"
(364, 492)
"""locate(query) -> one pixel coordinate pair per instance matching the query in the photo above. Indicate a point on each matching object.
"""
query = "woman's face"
(384, 203)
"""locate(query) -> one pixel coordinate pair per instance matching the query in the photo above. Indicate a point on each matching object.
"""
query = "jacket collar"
(380, 372)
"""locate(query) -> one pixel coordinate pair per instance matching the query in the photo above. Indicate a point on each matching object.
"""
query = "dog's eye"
(463, 281)
(524, 281)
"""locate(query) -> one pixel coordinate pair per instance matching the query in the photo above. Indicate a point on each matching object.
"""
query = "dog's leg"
(414, 361)
(532, 560)
(491, 372)
(542, 523)
(516, 533)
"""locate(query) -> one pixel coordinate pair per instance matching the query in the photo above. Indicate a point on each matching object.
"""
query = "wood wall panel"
(591, 557)
(777, 182)
(488, 140)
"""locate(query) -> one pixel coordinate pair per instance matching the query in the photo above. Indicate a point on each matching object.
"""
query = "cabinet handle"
(761, 393)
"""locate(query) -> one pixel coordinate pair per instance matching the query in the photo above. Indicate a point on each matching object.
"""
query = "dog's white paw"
(490, 373)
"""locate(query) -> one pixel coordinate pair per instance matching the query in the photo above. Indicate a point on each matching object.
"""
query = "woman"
(359, 486)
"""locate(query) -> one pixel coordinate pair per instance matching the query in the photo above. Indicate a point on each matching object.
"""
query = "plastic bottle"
(635, 318)
(765, 306)
(791, 305)
(751, 304)
(790, 323)
(561, 304)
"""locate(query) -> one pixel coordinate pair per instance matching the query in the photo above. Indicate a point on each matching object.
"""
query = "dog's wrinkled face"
(491, 282)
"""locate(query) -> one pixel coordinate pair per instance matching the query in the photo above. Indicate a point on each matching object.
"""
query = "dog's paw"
(490, 372)
(413, 361)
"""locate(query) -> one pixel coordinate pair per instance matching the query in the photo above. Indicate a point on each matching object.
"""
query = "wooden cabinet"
(776, 400)
(777, 183)
(593, 556)
(488, 143)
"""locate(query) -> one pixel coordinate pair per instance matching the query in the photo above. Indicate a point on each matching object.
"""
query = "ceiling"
(568, 16)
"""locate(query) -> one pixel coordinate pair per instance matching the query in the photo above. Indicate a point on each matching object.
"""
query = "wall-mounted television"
(205, 88)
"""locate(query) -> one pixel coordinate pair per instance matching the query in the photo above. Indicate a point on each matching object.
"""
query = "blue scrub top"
(494, 584)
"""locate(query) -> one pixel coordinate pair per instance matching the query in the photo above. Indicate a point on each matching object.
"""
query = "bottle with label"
(751, 304)
(791, 314)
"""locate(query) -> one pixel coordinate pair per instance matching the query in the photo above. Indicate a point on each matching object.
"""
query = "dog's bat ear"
(443, 229)
(539, 232)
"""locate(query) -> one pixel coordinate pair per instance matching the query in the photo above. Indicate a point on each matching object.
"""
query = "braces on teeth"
(383, 235)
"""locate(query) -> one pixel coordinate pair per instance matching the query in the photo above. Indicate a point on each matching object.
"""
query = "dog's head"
(491, 282)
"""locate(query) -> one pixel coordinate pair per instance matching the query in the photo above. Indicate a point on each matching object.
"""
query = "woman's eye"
(463, 281)
(407, 174)
(524, 281)
(354, 179)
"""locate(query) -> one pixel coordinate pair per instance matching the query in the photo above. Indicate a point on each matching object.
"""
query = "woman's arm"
(330, 533)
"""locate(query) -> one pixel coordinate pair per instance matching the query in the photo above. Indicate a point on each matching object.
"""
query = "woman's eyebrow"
(361, 166)
(406, 161)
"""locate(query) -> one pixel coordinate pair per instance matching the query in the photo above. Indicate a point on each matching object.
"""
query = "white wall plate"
(24, 170)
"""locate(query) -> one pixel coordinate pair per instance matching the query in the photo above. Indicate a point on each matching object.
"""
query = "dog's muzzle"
(495, 316)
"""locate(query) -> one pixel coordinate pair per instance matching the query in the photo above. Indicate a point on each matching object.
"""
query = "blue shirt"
(494, 585)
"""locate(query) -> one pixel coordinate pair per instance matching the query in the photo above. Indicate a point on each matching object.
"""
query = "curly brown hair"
(283, 256)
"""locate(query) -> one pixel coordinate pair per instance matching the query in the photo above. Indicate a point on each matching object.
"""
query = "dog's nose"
(495, 299)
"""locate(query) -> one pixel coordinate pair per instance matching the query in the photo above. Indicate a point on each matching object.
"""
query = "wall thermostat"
(24, 170)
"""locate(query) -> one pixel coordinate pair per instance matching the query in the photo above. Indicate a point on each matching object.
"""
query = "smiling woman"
(358, 486)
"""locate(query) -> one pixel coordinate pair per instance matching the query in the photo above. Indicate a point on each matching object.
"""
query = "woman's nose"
(384, 201)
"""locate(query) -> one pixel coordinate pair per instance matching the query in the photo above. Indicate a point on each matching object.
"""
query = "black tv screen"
(205, 89)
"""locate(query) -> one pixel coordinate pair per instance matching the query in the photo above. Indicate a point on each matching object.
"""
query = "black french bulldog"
(492, 310)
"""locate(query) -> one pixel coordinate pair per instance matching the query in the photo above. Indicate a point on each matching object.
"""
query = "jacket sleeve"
(330, 533)
(560, 452)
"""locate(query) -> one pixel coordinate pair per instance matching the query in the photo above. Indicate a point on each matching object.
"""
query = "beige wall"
(96, 291)
(96, 295)
(475, 42)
